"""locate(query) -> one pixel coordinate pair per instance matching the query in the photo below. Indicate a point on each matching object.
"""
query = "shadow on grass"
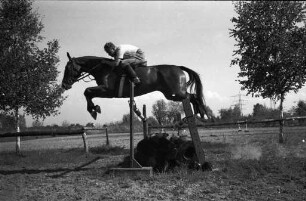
(37, 171)
(54, 161)
(110, 150)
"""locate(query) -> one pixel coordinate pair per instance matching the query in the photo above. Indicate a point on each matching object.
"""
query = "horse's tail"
(195, 85)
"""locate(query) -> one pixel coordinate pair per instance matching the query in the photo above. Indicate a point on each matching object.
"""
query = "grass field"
(247, 166)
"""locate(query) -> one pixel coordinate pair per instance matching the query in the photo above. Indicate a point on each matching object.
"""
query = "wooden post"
(106, 133)
(135, 168)
(145, 122)
(133, 162)
(190, 118)
(85, 142)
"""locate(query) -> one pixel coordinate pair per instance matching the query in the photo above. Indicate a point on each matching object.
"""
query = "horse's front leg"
(91, 93)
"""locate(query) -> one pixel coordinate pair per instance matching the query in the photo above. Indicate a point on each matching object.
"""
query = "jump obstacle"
(135, 168)
(190, 119)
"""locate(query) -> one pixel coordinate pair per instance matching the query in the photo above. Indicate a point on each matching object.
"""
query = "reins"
(84, 75)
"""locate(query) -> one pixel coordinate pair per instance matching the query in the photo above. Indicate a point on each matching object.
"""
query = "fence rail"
(207, 125)
(52, 132)
(43, 133)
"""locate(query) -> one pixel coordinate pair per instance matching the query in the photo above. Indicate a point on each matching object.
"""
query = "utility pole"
(240, 102)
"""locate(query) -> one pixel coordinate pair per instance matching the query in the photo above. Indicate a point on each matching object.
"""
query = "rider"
(126, 56)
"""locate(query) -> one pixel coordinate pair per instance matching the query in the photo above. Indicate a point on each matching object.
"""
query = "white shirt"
(125, 51)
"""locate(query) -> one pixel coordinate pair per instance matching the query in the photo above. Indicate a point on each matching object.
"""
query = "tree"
(152, 121)
(231, 114)
(65, 124)
(7, 122)
(27, 73)
(300, 109)
(262, 112)
(37, 124)
(159, 111)
(271, 52)
(126, 118)
(89, 124)
(174, 111)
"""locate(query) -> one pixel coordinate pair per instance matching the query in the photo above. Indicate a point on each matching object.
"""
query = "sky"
(193, 34)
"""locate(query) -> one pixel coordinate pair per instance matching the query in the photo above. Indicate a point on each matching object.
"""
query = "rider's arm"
(117, 62)
(118, 56)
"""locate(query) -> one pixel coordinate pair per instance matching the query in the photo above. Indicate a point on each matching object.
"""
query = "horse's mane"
(85, 59)
(90, 60)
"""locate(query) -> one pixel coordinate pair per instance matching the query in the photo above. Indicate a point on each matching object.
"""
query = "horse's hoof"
(94, 115)
(98, 109)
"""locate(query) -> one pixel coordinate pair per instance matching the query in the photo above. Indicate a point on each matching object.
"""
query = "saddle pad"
(121, 84)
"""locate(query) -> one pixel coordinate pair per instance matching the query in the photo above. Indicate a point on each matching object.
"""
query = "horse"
(168, 79)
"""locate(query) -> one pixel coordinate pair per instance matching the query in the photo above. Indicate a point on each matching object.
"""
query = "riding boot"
(131, 73)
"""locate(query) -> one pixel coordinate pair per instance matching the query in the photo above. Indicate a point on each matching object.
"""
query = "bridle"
(86, 74)
(77, 68)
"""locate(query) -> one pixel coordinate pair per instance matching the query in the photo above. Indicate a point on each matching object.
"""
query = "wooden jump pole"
(135, 168)
(145, 122)
(133, 162)
(191, 121)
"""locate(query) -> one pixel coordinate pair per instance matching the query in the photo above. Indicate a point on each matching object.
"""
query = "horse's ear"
(69, 57)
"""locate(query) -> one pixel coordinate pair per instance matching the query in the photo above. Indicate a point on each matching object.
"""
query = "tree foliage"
(7, 122)
(170, 112)
(27, 73)
(300, 109)
(271, 42)
(174, 111)
(230, 114)
(159, 111)
(271, 52)
(167, 112)
(262, 112)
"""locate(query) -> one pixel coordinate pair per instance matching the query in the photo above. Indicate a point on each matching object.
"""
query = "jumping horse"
(168, 79)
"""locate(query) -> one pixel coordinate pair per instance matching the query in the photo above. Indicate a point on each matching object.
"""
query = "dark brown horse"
(168, 79)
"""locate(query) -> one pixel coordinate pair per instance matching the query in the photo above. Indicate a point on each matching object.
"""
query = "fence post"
(85, 142)
(106, 132)
(145, 122)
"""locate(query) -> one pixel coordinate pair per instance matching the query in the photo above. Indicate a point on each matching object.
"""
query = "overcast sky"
(193, 34)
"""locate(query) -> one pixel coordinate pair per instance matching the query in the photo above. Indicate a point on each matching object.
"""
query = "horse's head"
(71, 74)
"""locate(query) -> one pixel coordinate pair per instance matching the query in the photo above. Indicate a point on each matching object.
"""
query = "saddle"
(140, 64)
(122, 75)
